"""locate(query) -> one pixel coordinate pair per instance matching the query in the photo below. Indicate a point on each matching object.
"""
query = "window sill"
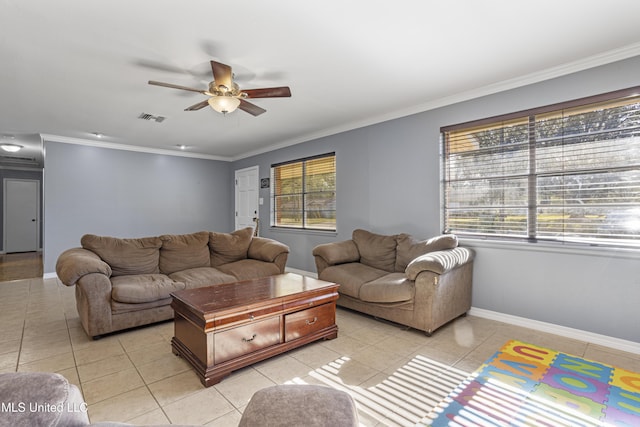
(550, 247)
(308, 231)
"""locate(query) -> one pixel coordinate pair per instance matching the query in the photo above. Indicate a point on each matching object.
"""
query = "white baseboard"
(577, 334)
(49, 276)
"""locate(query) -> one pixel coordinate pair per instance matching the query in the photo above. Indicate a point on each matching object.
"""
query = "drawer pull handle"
(253, 337)
(315, 319)
(251, 317)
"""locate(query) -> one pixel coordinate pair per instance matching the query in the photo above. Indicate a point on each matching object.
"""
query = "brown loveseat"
(122, 283)
(421, 284)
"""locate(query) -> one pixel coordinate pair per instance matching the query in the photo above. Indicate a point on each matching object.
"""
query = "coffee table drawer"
(307, 321)
(246, 339)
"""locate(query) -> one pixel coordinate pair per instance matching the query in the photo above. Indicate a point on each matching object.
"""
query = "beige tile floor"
(396, 376)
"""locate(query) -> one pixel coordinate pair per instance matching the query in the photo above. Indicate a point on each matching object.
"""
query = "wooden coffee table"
(221, 328)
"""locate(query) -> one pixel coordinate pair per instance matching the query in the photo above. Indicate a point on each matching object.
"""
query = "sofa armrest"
(334, 253)
(267, 250)
(439, 262)
(75, 263)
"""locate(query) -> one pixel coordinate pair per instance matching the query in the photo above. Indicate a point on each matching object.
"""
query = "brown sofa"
(421, 284)
(123, 283)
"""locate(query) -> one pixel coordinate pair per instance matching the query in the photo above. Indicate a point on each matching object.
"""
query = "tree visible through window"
(303, 193)
(568, 172)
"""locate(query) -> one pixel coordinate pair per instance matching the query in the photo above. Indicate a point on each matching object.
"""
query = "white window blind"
(567, 172)
(304, 193)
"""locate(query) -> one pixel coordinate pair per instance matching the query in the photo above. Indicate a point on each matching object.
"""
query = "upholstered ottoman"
(300, 406)
(40, 399)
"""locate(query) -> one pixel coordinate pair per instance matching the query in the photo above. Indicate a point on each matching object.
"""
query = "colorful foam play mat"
(526, 385)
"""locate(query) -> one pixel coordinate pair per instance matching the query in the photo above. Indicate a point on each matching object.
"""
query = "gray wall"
(129, 194)
(388, 182)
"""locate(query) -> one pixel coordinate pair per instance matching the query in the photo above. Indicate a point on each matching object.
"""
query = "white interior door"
(21, 215)
(247, 192)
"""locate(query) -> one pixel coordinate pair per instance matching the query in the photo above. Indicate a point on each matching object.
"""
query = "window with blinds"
(303, 193)
(568, 172)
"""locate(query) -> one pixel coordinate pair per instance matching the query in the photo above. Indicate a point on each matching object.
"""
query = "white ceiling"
(73, 67)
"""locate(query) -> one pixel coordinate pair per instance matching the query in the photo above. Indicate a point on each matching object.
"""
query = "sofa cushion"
(410, 249)
(183, 251)
(201, 276)
(376, 250)
(125, 256)
(392, 287)
(351, 276)
(229, 247)
(143, 288)
(246, 269)
(137, 310)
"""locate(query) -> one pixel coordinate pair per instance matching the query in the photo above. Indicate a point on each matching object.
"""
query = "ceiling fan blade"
(250, 108)
(270, 92)
(198, 106)
(222, 74)
(152, 82)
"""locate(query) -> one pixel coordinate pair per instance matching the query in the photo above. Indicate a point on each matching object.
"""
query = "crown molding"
(604, 58)
(127, 147)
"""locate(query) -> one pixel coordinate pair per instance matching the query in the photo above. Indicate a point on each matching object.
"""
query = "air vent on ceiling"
(147, 116)
(17, 159)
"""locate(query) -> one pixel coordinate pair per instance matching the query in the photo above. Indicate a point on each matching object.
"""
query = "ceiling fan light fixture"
(224, 104)
(225, 95)
(11, 148)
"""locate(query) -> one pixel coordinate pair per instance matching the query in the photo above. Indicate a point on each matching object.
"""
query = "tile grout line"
(24, 325)
(73, 353)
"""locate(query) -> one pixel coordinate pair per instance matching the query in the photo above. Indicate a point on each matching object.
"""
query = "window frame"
(304, 194)
(533, 235)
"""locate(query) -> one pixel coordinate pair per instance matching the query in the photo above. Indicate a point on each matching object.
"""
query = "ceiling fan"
(225, 96)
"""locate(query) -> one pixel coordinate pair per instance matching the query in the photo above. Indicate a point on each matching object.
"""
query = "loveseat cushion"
(409, 248)
(142, 288)
(392, 287)
(246, 269)
(201, 276)
(183, 251)
(351, 276)
(125, 256)
(229, 247)
(376, 250)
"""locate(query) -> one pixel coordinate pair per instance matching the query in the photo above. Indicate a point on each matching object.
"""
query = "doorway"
(24, 169)
(21, 215)
(21, 257)
(246, 192)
